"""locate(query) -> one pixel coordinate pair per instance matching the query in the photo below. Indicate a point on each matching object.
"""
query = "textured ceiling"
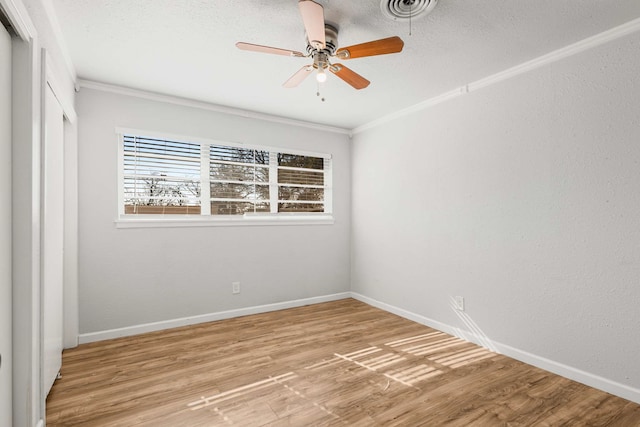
(186, 48)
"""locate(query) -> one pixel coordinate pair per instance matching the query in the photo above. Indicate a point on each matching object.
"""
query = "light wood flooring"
(340, 363)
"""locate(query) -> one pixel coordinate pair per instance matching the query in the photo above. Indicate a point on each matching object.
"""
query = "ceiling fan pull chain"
(410, 15)
(318, 92)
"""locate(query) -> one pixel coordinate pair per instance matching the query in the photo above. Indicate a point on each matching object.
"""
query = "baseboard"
(613, 387)
(210, 317)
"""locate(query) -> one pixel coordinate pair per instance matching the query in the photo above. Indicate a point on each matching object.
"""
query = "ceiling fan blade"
(267, 49)
(313, 18)
(349, 76)
(376, 47)
(299, 76)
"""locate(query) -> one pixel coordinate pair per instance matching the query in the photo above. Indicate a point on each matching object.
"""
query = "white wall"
(129, 277)
(524, 198)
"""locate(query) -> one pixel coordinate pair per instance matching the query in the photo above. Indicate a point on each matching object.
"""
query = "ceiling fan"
(322, 44)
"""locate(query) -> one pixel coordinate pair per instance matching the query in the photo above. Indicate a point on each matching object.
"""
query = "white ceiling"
(186, 48)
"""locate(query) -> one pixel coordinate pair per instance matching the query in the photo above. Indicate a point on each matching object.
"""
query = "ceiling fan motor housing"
(331, 42)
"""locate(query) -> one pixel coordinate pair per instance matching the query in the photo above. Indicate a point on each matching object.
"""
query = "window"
(161, 177)
(172, 178)
(239, 180)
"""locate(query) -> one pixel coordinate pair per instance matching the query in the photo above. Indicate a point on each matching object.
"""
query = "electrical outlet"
(235, 287)
(459, 303)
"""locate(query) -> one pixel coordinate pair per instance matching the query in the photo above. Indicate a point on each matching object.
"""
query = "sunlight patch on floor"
(407, 361)
(240, 391)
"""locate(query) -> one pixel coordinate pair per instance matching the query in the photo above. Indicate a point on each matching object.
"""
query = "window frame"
(205, 219)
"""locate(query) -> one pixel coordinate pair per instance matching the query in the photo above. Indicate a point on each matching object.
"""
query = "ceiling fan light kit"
(322, 44)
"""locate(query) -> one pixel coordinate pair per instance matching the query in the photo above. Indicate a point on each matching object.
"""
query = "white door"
(52, 238)
(5, 228)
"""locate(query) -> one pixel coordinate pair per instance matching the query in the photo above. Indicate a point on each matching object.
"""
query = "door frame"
(50, 82)
(25, 247)
(28, 73)
(6, 352)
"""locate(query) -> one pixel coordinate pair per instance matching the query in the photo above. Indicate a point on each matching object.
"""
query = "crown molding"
(152, 96)
(549, 58)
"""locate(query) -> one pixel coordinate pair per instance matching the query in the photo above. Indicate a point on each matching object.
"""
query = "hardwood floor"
(341, 363)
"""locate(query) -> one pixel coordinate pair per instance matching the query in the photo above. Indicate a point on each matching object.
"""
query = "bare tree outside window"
(300, 183)
(239, 180)
(161, 177)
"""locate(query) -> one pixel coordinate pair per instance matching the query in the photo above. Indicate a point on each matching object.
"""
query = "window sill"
(169, 221)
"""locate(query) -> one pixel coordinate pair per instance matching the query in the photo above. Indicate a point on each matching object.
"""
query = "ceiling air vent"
(405, 9)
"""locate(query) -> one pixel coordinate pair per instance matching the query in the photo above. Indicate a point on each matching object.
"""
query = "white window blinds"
(160, 176)
(239, 180)
(164, 176)
(301, 183)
